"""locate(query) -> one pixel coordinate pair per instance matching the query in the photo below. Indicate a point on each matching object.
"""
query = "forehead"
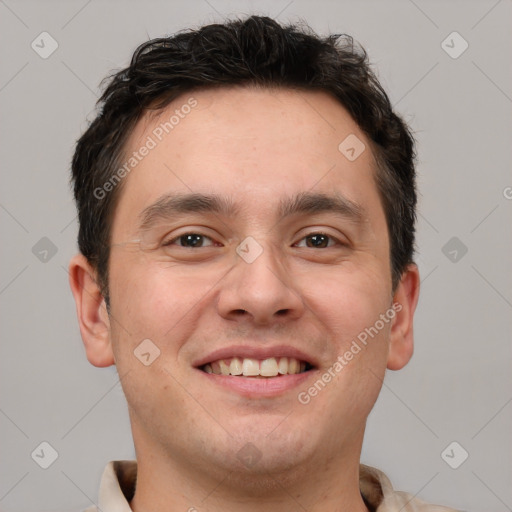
(255, 145)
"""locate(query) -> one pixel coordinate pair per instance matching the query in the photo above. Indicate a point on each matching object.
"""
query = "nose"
(261, 291)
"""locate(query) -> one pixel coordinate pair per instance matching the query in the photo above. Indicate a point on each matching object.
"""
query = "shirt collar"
(119, 478)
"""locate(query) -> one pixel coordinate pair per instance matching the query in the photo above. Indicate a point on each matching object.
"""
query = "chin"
(268, 446)
(271, 469)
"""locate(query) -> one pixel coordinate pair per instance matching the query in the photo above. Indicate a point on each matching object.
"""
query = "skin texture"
(254, 146)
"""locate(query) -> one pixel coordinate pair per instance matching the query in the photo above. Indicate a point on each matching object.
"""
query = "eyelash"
(171, 241)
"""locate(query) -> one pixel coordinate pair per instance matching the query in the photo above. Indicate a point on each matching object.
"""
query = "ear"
(91, 311)
(405, 300)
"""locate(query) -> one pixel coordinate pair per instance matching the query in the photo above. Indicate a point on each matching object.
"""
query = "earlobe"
(91, 311)
(405, 300)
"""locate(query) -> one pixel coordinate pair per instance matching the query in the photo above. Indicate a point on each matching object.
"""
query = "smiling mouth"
(255, 368)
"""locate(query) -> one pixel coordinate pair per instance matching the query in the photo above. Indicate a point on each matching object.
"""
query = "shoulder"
(377, 490)
(117, 487)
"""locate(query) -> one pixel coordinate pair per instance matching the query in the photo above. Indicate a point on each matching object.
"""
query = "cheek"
(157, 299)
(347, 301)
(349, 307)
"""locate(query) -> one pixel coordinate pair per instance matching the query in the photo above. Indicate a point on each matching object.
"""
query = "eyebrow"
(305, 203)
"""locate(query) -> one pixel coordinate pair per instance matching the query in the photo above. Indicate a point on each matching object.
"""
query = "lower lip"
(254, 387)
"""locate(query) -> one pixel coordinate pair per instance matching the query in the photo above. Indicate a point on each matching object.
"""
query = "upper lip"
(255, 352)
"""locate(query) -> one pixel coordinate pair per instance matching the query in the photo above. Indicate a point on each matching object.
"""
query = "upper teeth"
(253, 367)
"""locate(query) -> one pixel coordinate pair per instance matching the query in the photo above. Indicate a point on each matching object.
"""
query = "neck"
(168, 483)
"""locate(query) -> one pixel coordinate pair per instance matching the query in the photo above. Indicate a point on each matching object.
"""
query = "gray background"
(458, 385)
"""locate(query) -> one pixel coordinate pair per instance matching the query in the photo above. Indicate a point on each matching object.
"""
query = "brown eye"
(318, 240)
(188, 240)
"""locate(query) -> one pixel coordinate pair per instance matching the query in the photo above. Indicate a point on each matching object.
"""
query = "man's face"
(302, 285)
